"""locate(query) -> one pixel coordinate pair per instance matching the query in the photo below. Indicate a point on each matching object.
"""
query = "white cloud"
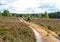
(3, 1)
(6, 1)
(31, 6)
(21, 5)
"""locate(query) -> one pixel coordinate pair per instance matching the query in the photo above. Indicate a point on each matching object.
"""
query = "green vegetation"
(0, 14)
(28, 18)
(46, 15)
(54, 15)
(39, 15)
(7, 13)
(14, 15)
(12, 30)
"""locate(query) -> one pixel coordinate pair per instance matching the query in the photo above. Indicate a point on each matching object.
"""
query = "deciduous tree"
(7, 13)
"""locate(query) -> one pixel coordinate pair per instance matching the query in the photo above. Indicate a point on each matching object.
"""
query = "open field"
(51, 24)
(15, 29)
(12, 30)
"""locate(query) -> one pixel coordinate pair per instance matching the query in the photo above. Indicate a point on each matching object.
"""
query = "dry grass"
(42, 32)
(12, 30)
(51, 24)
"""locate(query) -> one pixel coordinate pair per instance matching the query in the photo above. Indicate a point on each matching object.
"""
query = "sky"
(30, 6)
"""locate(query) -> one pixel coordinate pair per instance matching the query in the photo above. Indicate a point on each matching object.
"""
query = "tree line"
(8, 14)
(54, 15)
(39, 15)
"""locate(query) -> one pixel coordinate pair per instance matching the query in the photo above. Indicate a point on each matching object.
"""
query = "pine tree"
(0, 14)
(46, 15)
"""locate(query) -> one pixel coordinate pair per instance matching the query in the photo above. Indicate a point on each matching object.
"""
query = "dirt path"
(37, 36)
(42, 32)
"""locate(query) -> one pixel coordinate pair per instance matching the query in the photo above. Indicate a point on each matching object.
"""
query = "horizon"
(30, 6)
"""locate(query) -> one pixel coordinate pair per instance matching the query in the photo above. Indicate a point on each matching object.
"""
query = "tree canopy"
(7, 13)
(0, 14)
(46, 15)
(39, 15)
(35, 15)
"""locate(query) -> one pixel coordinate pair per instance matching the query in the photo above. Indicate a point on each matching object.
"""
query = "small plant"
(42, 24)
(59, 35)
(48, 32)
(49, 27)
(56, 32)
(4, 38)
(47, 35)
(28, 18)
